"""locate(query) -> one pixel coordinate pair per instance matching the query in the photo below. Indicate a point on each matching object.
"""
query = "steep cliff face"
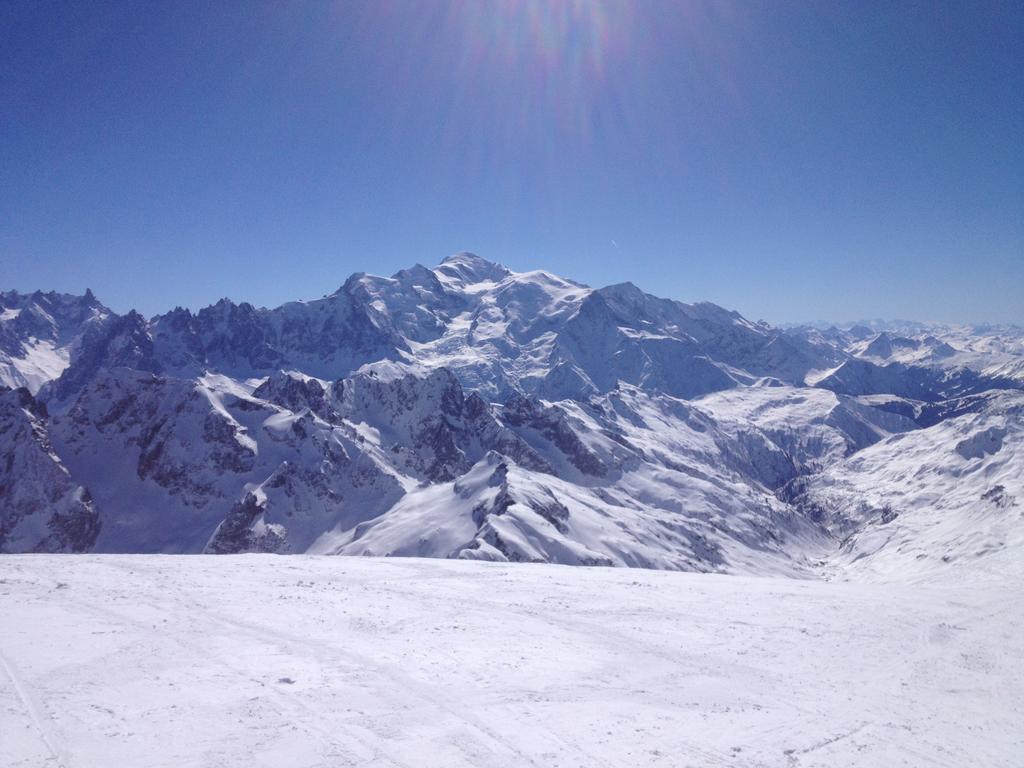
(41, 508)
(39, 331)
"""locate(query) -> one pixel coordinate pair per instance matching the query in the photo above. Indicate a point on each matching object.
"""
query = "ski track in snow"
(30, 710)
(306, 661)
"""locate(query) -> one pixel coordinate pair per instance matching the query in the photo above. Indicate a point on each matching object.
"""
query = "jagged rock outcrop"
(38, 332)
(41, 508)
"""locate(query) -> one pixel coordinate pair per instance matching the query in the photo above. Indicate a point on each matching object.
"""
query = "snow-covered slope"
(815, 428)
(193, 662)
(936, 360)
(628, 478)
(945, 500)
(168, 460)
(944, 346)
(638, 479)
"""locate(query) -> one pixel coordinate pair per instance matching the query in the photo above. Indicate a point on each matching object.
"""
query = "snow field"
(304, 661)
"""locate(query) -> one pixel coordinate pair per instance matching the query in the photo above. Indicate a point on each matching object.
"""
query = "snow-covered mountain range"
(475, 412)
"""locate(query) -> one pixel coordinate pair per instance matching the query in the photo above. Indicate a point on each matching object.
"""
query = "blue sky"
(794, 161)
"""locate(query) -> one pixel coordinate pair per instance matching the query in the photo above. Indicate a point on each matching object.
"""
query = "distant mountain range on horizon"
(467, 410)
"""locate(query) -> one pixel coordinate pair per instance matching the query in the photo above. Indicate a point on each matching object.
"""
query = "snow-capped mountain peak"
(465, 270)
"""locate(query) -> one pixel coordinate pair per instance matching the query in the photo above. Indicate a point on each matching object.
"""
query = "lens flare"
(514, 92)
(554, 57)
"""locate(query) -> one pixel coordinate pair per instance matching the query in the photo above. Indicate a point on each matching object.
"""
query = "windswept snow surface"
(259, 660)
